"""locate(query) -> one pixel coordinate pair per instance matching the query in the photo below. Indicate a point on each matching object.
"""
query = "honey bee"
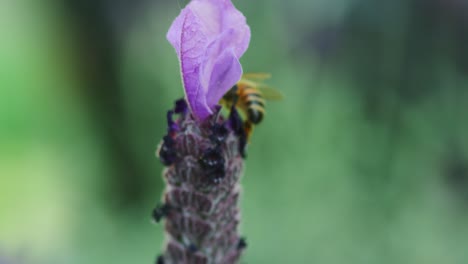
(249, 95)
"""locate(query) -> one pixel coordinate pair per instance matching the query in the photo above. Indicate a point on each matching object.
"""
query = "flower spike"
(203, 151)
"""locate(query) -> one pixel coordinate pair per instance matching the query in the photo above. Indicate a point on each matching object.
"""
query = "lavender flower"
(203, 150)
(209, 37)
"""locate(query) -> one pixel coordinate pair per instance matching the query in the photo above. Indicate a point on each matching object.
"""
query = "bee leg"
(234, 101)
(235, 121)
(248, 128)
(243, 145)
(244, 137)
(238, 126)
(235, 88)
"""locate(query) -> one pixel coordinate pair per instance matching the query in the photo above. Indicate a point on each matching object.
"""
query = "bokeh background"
(365, 161)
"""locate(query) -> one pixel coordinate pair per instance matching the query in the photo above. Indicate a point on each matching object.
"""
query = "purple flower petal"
(209, 37)
(226, 72)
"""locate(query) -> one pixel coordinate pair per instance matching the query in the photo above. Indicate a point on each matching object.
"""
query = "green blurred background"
(365, 161)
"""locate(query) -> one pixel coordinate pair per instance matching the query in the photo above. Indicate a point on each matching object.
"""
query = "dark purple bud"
(213, 164)
(171, 125)
(212, 159)
(192, 248)
(180, 106)
(167, 154)
(160, 211)
(219, 133)
(242, 244)
(160, 259)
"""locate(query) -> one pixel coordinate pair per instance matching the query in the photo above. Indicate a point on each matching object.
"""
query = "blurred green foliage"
(363, 162)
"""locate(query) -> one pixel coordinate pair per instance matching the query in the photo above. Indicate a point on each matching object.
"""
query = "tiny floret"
(242, 244)
(160, 211)
(209, 37)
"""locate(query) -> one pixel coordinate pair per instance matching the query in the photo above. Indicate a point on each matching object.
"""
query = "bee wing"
(257, 76)
(270, 93)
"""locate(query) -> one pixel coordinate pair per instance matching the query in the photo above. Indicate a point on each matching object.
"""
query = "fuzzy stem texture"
(204, 162)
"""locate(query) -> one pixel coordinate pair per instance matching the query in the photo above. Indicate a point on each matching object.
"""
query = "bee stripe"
(257, 107)
(248, 98)
(252, 103)
(251, 97)
(256, 99)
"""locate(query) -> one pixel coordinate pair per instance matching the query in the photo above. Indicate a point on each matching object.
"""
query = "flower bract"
(209, 37)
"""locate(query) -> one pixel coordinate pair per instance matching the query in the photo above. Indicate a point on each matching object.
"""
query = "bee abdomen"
(255, 111)
(254, 103)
